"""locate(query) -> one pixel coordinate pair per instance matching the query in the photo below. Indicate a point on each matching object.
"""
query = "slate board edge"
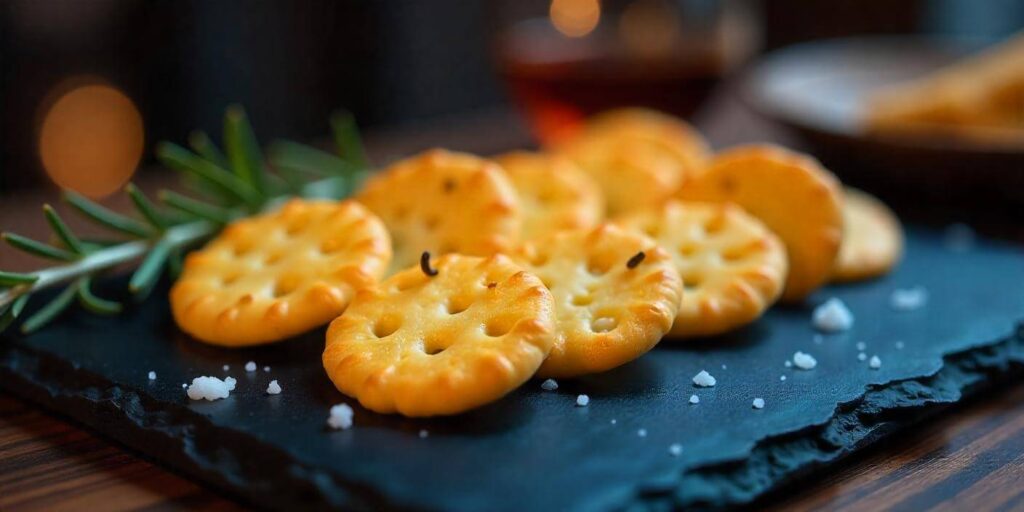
(175, 436)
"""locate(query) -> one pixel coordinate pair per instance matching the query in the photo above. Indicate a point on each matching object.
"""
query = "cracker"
(443, 202)
(426, 345)
(554, 193)
(638, 157)
(733, 267)
(616, 294)
(872, 238)
(792, 194)
(279, 274)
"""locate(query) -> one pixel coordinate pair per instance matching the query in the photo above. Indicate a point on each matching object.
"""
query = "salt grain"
(782, 377)
(226, 367)
(184, 385)
(862, 346)
(724, 367)
(424, 434)
(340, 417)
(758, 403)
(832, 316)
(862, 356)
(642, 432)
(694, 399)
(908, 299)
(675, 449)
(250, 366)
(789, 364)
(274, 388)
(614, 421)
(266, 369)
(230, 382)
(210, 388)
(900, 345)
(875, 363)
(152, 375)
(804, 361)
(549, 385)
(582, 400)
(704, 379)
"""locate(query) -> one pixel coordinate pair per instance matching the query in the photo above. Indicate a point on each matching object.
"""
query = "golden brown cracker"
(872, 238)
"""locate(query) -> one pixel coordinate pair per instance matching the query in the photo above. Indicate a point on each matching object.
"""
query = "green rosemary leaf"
(12, 311)
(60, 229)
(146, 207)
(106, 217)
(148, 273)
(243, 149)
(292, 155)
(47, 313)
(181, 159)
(175, 261)
(202, 144)
(38, 248)
(347, 139)
(93, 303)
(195, 207)
(15, 278)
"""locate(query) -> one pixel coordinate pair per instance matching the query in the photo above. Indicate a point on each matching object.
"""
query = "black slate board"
(535, 449)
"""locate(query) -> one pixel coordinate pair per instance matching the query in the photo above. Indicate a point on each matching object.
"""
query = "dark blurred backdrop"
(291, 62)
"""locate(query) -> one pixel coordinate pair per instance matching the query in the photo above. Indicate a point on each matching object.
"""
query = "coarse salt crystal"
(250, 366)
(862, 356)
(832, 316)
(273, 388)
(789, 364)
(694, 399)
(862, 346)
(908, 299)
(900, 345)
(642, 432)
(758, 403)
(226, 367)
(582, 400)
(724, 367)
(266, 369)
(549, 385)
(804, 361)
(340, 417)
(230, 381)
(614, 421)
(875, 363)
(184, 385)
(210, 388)
(704, 379)
(424, 434)
(675, 449)
(782, 377)
(152, 375)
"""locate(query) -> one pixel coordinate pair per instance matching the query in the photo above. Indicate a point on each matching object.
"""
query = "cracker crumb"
(704, 379)
(582, 400)
(908, 299)
(273, 388)
(250, 366)
(862, 357)
(758, 403)
(875, 363)
(549, 385)
(675, 449)
(832, 316)
(642, 432)
(804, 361)
(210, 388)
(900, 345)
(424, 434)
(340, 417)
(782, 377)
(862, 346)
(694, 399)
(152, 375)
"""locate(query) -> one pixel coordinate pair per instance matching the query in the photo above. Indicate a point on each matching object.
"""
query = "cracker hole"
(603, 323)
(727, 184)
(231, 279)
(688, 249)
(386, 326)
(596, 270)
(432, 351)
(652, 230)
(273, 259)
(496, 328)
(692, 281)
(456, 305)
(714, 225)
(538, 259)
(431, 222)
(282, 288)
(401, 213)
(582, 300)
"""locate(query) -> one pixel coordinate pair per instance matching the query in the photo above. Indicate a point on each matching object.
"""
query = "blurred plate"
(819, 89)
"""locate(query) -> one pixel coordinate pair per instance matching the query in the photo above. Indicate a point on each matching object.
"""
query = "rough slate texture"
(535, 449)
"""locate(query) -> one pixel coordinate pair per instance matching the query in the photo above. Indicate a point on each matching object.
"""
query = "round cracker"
(269, 277)
(872, 238)
(792, 194)
(638, 157)
(609, 311)
(424, 345)
(441, 201)
(554, 193)
(733, 267)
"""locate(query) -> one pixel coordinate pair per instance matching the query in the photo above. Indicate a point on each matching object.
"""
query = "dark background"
(391, 62)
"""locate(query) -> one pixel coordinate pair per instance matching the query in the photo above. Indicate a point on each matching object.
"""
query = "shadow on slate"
(535, 450)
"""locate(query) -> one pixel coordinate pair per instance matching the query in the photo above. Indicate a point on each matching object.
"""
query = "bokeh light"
(575, 18)
(91, 140)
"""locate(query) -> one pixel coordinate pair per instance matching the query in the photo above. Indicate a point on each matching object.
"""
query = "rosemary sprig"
(236, 181)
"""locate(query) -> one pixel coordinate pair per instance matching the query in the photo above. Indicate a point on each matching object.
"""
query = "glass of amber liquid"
(586, 56)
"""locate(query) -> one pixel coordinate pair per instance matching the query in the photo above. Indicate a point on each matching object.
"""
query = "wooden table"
(970, 458)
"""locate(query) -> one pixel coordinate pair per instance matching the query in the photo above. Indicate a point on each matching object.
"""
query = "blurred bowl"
(819, 89)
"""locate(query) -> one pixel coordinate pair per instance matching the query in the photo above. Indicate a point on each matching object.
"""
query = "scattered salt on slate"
(908, 299)
(210, 388)
(788, 363)
(804, 361)
(582, 400)
(758, 403)
(832, 316)
(152, 375)
(694, 399)
(614, 421)
(273, 388)
(862, 346)
(340, 417)
(862, 356)
(782, 377)
(875, 363)
(250, 366)
(642, 432)
(549, 385)
(675, 449)
(704, 379)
